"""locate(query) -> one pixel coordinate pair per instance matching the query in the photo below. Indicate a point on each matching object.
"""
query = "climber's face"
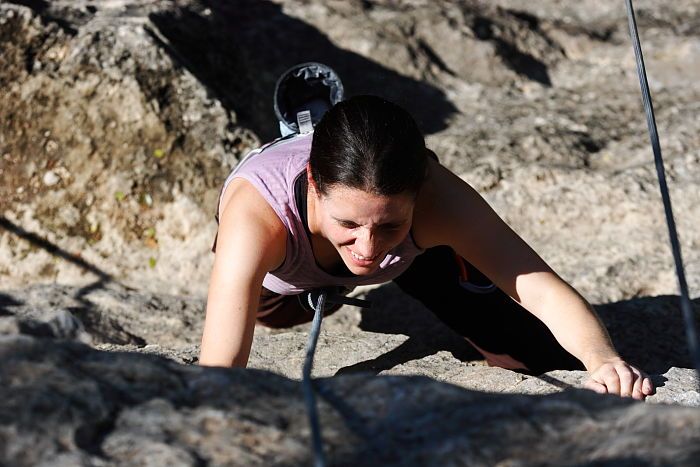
(363, 227)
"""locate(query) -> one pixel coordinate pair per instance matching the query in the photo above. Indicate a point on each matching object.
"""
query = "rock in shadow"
(239, 49)
(101, 326)
(394, 312)
(73, 319)
(7, 301)
(69, 404)
(48, 14)
(650, 331)
(62, 312)
(519, 61)
(105, 329)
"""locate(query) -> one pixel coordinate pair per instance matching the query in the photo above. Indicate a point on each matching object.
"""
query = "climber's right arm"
(251, 242)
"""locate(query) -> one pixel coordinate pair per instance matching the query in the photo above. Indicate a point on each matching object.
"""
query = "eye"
(348, 224)
(392, 227)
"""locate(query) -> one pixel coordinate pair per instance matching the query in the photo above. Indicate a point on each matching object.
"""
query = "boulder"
(64, 403)
(396, 337)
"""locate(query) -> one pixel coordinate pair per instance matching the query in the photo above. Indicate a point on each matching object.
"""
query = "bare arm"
(251, 242)
(464, 221)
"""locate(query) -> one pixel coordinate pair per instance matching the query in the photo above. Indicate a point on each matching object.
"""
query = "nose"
(366, 243)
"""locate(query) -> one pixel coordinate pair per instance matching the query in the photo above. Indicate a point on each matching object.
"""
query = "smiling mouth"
(362, 258)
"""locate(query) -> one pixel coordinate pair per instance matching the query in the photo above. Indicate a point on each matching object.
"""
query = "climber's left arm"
(450, 212)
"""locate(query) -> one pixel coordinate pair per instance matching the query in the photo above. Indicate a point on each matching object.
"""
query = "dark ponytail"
(370, 144)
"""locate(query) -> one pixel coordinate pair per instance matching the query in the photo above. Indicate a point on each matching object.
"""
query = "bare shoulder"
(442, 196)
(450, 212)
(249, 227)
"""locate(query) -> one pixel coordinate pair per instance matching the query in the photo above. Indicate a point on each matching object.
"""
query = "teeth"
(361, 258)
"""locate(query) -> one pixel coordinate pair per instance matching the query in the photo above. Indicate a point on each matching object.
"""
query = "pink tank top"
(273, 170)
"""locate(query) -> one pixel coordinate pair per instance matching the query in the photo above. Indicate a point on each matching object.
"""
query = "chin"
(361, 269)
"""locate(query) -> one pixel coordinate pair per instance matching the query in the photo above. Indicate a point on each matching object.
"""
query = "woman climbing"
(361, 200)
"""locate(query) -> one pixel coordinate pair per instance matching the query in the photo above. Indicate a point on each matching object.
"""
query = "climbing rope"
(307, 383)
(317, 300)
(690, 331)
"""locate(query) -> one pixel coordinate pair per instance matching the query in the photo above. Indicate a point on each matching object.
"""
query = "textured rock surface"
(120, 119)
(106, 143)
(149, 104)
(117, 319)
(66, 404)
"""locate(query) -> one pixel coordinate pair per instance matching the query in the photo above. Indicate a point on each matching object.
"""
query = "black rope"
(307, 383)
(317, 301)
(686, 306)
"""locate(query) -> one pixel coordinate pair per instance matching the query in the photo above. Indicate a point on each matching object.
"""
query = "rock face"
(106, 141)
(67, 404)
(119, 122)
(117, 319)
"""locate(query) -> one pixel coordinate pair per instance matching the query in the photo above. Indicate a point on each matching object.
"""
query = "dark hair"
(371, 144)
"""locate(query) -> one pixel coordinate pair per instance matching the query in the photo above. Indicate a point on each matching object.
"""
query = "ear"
(310, 179)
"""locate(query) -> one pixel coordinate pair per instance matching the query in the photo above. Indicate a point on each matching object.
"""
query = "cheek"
(339, 235)
(395, 237)
(391, 238)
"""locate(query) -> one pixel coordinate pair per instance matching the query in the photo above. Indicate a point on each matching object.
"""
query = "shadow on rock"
(650, 331)
(52, 323)
(239, 49)
(7, 301)
(393, 312)
(43, 9)
(52, 248)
